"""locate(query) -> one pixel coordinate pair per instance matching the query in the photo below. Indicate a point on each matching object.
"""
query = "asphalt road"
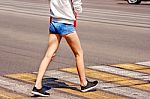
(111, 32)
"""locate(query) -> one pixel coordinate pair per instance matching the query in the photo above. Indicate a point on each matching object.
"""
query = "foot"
(89, 86)
(39, 92)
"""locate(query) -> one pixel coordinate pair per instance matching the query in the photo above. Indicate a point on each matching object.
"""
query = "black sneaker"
(39, 92)
(89, 86)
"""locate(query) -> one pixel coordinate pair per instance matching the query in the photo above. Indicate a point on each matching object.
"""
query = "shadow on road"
(50, 83)
(56, 83)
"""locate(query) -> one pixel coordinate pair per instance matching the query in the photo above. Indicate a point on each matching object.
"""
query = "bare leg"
(75, 45)
(54, 41)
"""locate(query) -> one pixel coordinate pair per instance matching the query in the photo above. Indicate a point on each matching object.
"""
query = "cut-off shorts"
(61, 28)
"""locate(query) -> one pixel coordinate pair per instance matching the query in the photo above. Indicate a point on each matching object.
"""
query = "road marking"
(110, 87)
(91, 95)
(10, 95)
(99, 75)
(27, 77)
(15, 86)
(144, 71)
(108, 77)
(144, 63)
(111, 84)
(25, 89)
(134, 67)
(96, 94)
(106, 16)
(122, 72)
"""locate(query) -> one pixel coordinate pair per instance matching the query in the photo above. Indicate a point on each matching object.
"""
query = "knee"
(50, 56)
(53, 56)
(79, 54)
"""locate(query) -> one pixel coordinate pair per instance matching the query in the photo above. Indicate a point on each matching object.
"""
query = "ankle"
(84, 83)
(38, 86)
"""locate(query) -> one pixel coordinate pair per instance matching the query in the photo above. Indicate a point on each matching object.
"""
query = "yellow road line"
(30, 78)
(117, 79)
(96, 94)
(134, 67)
(143, 86)
(27, 77)
(99, 75)
(9, 95)
(144, 71)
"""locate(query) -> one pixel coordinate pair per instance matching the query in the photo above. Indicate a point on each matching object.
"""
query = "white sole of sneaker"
(39, 94)
(89, 89)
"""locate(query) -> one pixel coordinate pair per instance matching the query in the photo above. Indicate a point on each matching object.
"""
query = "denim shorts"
(61, 28)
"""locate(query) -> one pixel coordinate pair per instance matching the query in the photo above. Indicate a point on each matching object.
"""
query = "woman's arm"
(77, 5)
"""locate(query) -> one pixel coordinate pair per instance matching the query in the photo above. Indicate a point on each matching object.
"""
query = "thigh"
(54, 39)
(74, 42)
(53, 44)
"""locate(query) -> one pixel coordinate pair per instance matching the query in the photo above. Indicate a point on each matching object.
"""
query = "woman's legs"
(53, 45)
(75, 45)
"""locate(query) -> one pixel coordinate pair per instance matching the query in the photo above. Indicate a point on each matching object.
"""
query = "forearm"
(77, 5)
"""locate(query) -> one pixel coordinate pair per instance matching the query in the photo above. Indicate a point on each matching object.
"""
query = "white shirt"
(63, 10)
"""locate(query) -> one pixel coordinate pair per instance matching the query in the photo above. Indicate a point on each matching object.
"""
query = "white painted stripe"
(98, 15)
(122, 72)
(137, 94)
(144, 63)
(26, 89)
(91, 10)
(26, 4)
(115, 12)
(16, 86)
(23, 10)
(114, 88)
(94, 12)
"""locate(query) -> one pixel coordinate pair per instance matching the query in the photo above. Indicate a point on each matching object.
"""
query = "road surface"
(111, 32)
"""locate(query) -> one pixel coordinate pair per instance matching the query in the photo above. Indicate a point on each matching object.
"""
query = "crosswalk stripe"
(25, 88)
(130, 66)
(16, 86)
(144, 63)
(110, 87)
(10, 95)
(96, 94)
(73, 89)
(117, 79)
(144, 71)
(99, 75)
(27, 77)
(134, 67)
(122, 72)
